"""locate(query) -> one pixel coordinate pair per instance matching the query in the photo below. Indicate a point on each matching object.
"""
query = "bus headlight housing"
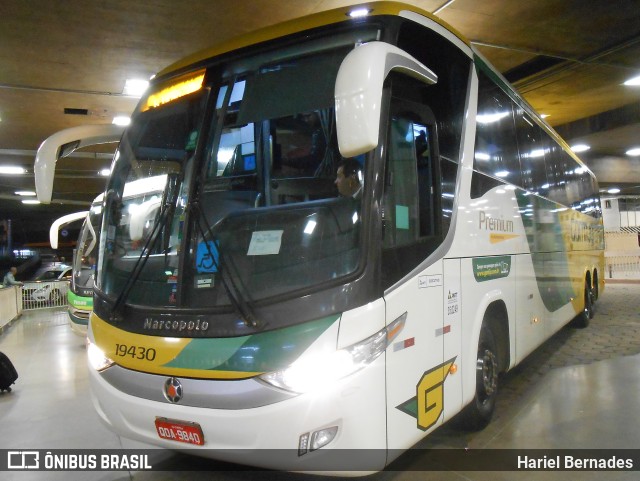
(321, 371)
(97, 359)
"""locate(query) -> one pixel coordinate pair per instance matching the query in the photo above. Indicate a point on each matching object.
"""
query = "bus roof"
(300, 24)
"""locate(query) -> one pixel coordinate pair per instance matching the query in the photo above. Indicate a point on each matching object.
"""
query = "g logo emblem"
(172, 390)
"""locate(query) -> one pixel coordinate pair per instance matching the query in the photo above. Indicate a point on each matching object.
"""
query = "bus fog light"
(322, 437)
(97, 358)
(303, 444)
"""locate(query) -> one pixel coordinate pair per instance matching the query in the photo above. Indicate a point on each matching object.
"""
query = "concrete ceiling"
(569, 58)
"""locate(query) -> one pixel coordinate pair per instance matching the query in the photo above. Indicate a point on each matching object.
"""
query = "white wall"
(10, 304)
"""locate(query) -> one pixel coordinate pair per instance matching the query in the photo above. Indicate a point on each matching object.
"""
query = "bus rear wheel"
(479, 412)
(586, 315)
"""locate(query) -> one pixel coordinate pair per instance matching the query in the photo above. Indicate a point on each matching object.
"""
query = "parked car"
(42, 289)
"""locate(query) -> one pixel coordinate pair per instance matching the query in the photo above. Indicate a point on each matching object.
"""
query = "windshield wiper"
(167, 207)
(234, 293)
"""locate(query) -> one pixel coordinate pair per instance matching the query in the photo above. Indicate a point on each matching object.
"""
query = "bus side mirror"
(358, 92)
(63, 143)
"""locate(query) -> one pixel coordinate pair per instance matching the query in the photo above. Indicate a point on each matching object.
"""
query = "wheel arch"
(497, 318)
(492, 310)
(587, 278)
(595, 285)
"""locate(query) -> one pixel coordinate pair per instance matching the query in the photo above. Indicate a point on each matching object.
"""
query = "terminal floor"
(579, 390)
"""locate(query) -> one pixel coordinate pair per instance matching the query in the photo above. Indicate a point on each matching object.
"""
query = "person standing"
(10, 278)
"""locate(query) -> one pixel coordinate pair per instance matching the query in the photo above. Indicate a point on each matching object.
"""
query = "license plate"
(182, 431)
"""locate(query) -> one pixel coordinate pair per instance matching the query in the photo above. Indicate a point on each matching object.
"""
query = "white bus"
(62, 144)
(80, 295)
(261, 305)
(79, 305)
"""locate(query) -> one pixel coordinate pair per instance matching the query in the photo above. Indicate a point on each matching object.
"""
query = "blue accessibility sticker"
(207, 256)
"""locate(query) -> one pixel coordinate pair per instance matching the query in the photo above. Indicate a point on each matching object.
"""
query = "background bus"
(85, 255)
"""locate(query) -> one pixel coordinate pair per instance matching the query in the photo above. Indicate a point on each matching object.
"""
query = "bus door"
(411, 231)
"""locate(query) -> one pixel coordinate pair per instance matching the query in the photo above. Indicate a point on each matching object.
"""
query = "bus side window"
(412, 198)
(402, 217)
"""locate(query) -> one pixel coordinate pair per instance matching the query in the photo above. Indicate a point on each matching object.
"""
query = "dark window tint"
(446, 98)
(496, 152)
(531, 148)
(413, 204)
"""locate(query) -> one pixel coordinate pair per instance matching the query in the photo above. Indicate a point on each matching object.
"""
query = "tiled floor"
(579, 390)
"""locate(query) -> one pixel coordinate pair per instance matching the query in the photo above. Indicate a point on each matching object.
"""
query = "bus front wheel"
(479, 412)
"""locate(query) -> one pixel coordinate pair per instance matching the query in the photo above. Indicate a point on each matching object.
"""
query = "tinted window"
(413, 214)
(532, 158)
(496, 151)
(446, 98)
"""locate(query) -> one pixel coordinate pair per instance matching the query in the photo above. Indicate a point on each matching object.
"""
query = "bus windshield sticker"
(191, 142)
(402, 217)
(488, 268)
(204, 281)
(265, 242)
(204, 260)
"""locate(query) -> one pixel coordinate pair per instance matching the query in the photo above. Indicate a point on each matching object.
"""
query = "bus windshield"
(254, 210)
(86, 253)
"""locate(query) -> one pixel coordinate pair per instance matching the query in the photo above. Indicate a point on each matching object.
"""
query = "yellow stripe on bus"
(495, 238)
(149, 354)
(298, 25)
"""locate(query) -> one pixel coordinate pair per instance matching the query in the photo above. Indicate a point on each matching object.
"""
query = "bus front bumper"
(273, 436)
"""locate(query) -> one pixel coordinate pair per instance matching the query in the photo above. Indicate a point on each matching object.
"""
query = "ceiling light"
(12, 170)
(580, 147)
(634, 152)
(121, 120)
(28, 193)
(614, 190)
(105, 172)
(135, 87)
(544, 116)
(30, 201)
(633, 82)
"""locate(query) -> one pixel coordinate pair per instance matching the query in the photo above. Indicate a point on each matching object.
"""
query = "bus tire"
(478, 413)
(586, 315)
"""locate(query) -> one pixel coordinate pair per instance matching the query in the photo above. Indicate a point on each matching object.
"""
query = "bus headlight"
(97, 358)
(321, 371)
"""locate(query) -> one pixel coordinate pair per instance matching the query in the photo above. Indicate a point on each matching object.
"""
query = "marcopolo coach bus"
(246, 303)
(79, 300)
(80, 294)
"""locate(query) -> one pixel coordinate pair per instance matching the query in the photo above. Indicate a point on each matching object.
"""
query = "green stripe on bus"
(80, 302)
(548, 249)
(265, 351)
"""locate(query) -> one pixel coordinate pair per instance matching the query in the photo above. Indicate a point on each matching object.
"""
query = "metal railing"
(622, 253)
(43, 294)
(623, 267)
